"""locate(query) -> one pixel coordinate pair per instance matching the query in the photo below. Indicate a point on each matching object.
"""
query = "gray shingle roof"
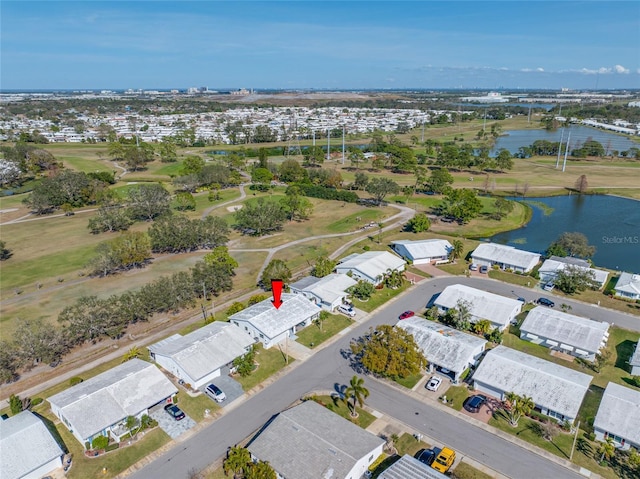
(106, 399)
(408, 467)
(499, 253)
(309, 441)
(205, 349)
(442, 345)
(619, 412)
(271, 321)
(25, 445)
(548, 384)
(566, 328)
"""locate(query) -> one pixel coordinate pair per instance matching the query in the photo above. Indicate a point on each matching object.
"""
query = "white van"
(348, 310)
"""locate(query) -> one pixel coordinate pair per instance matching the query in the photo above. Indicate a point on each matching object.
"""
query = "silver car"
(215, 393)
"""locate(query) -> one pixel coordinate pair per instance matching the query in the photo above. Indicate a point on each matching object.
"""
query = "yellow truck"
(444, 460)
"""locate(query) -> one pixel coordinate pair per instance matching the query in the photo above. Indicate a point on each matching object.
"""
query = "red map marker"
(276, 288)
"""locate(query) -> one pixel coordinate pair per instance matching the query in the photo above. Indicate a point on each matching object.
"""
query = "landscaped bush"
(100, 442)
(36, 401)
(112, 447)
(75, 380)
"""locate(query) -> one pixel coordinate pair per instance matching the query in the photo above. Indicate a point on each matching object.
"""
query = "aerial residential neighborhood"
(319, 240)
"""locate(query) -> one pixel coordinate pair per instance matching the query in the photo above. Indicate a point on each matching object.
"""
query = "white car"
(215, 393)
(434, 383)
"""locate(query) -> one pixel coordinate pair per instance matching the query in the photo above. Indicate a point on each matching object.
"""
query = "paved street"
(327, 368)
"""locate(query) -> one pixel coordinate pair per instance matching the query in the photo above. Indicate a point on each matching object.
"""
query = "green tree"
(245, 364)
(215, 273)
(256, 298)
(15, 404)
(323, 267)
(381, 187)
(504, 160)
(297, 207)
(572, 244)
(260, 217)
(192, 165)
(419, 223)
(235, 307)
(236, 461)
(361, 181)
(5, 253)
(133, 424)
(389, 352)
(110, 218)
(261, 177)
(37, 342)
(322, 317)
(607, 449)
(362, 290)
(439, 181)
(482, 327)
(290, 171)
(276, 269)
(9, 361)
(456, 250)
(518, 406)
(167, 151)
(572, 279)
(185, 201)
(461, 204)
(132, 353)
(394, 279)
(129, 250)
(148, 201)
(259, 470)
(356, 156)
(502, 208)
(459, 317)
(357, 393)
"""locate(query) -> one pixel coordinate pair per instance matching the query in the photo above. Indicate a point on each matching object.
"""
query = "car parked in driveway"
(473, 267)
(549, 286)
(215, 393)
(546, 302)
(426, 456)
(445, 460)
(474, 403)
(434, 383)
(407, 314)
(174, 411)
(484, 269)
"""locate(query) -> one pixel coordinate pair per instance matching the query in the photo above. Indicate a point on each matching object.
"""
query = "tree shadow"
(624, 351)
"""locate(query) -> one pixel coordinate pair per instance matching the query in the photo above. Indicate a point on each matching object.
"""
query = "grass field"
(338, 406)
(379, 297)
(269, 361)
(312, 336)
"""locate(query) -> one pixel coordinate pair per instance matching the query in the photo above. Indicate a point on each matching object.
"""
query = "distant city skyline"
(320, 45)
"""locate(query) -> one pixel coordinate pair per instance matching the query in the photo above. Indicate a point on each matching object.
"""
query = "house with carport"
(423, 251)
(408, 467)
(634, 362)
(100, 405)
(570, 334)
(552, 266)
(444, 347)
(628, 286)
(269, 325)
(371, 266)
(328, 292)
(310, 441)
(202, 355)
(504, 257)
(556, 391)
(499, 310)
(27, 448)
(618, 416)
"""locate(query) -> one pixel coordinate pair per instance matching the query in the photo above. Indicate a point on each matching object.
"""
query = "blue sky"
(330, 44)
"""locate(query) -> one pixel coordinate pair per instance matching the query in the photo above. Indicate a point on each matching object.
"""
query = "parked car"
(484, 269)
(521, 299)
(434, 383)
(348, 310)
(426, 456)
(474, 403)
(549, 286)
(473, 267)
(445, 460)
(407, 314)
(546, 302)
(174, 411)
(215, 393)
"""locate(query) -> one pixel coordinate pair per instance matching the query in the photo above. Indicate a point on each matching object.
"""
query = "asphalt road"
(327, 369)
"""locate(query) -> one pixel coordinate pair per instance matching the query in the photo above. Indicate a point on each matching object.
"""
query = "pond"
(514, 139)
(611, 223)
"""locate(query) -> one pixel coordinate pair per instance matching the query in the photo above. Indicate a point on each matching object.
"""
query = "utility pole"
(529, 117)
(560, 149)
(575, 438)
(566, 152)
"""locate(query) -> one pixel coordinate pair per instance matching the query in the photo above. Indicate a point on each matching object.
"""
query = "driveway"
(231, 388)
(486, 410)
(169, 425)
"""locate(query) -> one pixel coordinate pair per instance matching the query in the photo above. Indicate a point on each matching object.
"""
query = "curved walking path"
(243, 195)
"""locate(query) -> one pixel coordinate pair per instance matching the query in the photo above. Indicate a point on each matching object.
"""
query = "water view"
(612, 225)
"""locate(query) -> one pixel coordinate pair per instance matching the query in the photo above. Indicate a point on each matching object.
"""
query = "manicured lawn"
(270, 361)
(355, 221)
(194, 407)
(312, 336)
(465, 471)
(456, 396)
(459, 267)
(589, 407)
(597, 297)
(408, 444)
(519, 279)
(338, 406)
(409, 381)
(380, 296)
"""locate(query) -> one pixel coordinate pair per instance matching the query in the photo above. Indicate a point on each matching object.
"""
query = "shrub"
(100, 442)
(111, 447)
(75, 380)
(366, 247)
(235, 308)
(36, 401)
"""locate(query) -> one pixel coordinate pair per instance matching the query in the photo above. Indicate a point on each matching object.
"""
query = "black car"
(426, 456)
(546, 302)
(474, 403)
(174, 411)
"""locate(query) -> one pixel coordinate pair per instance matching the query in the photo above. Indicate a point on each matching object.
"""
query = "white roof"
(310, 441)
(205, 349)
(408, 467)
(566, 328)
(549, 385)
(442, 345)
(106, 399)
(373, 263)
(619, 412)
(635, 359)
(629, 283)
(329, 288)
(552, 267)
(430, 248)
(500, 253)
(484, 305)
(271, 321)
(25, 445)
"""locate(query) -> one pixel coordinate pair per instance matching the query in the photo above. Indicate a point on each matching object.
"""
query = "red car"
(407, 314)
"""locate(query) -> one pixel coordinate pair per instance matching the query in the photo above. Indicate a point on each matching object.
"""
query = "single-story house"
(505, 257)
(328, 292)
(203, 354)
(499, 310)
(618, 416)
(628, 286)
(580, 337)
(443, 346)
(27, 448)
(556, 391)
(551, 267)
(634, 362)
(423, 251)
(264, 323)
(310, 441)
(371, 266)
(100, 406)
(408, 467)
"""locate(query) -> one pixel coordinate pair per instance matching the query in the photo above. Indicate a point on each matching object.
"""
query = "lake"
(514, 139)
(611, 224)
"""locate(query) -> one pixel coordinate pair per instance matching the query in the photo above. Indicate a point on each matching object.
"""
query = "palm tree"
(358, 392)
(393, 278)
(236, 461)
(133, 423)
(607, 449)
(482, 327)
(518, 406)
(133, 353)
(322, 317)
(259, 470)
(457, 250)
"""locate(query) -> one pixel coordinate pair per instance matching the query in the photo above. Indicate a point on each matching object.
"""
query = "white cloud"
(539, 69)
(621, 69)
